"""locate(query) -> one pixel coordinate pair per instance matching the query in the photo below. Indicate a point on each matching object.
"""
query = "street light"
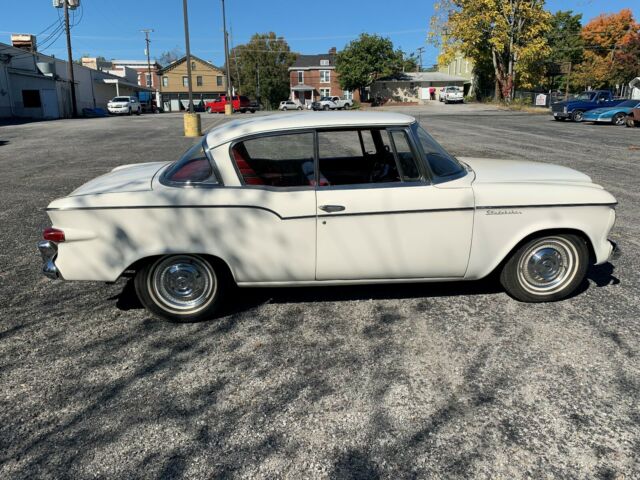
(192, 126)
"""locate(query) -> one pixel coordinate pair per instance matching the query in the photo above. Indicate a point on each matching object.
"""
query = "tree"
(260, 68)
(366, 59)
(170, 56)
(612, 49)
(510, 32)
(566, 46)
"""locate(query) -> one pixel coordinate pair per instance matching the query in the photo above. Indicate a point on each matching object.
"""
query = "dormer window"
(324, 63)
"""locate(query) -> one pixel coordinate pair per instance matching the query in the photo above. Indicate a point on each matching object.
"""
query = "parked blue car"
(616, 115)
(575, 107)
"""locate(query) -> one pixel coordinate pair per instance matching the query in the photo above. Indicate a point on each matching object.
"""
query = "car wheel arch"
(218, 263)
(542, 233)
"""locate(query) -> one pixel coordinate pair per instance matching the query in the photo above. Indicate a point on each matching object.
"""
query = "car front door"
(379, 215)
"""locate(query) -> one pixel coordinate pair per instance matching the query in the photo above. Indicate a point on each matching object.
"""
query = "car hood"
(521, 171)
(125, 178)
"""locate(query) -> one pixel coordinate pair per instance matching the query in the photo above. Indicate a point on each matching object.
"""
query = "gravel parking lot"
(404, 381)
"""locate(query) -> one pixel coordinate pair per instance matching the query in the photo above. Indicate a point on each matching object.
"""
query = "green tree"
(366, 59)
(260, 68)
(510, 32)
(566, 46)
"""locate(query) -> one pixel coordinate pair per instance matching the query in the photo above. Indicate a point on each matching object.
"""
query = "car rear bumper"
(49, 252)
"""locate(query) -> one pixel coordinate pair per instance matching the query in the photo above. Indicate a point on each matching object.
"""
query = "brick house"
(142, 68)
(314, 76)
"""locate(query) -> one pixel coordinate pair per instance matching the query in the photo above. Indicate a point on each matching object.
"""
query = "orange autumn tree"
(612, 51)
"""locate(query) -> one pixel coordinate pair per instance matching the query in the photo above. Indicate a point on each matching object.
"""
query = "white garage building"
(33, 85)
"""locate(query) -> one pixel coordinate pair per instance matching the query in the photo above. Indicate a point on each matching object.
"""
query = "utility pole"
(74, 106)
(228, 108)
(419, 66)
(146, 32)
(188, 49)
(192, 125)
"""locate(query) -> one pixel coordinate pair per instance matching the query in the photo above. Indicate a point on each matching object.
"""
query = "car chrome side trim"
(497, 207)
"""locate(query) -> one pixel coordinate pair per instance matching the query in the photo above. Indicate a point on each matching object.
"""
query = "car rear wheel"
(577, 116)
(180, 288)
(619, 119)
(299, 108)
(284, 109)
(546, 268)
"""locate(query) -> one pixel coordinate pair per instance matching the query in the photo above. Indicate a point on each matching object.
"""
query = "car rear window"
(194, 168)
(120, 99)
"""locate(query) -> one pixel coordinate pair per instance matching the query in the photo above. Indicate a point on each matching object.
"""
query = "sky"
(111, 28)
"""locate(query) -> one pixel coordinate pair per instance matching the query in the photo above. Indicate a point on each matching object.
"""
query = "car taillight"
(53, 235)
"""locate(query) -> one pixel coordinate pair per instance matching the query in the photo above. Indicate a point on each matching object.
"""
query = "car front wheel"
(546, 268)
(180, 288)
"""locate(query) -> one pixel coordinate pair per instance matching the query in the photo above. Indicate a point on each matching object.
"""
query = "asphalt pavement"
(404, 381)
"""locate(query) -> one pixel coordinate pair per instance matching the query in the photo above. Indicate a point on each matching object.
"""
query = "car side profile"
(616, 115)
(334, 199)
(289, 105)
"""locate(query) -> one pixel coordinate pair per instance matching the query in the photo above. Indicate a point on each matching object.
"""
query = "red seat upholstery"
(248, 174)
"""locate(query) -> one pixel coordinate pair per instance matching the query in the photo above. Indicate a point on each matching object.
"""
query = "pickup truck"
(451, 94)
(240, 104)
(332, 103)
(575, 107)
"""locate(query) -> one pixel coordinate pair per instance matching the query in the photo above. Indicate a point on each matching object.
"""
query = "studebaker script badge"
(504, 212)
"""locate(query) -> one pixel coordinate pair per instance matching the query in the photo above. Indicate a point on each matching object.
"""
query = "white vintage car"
(335, 199)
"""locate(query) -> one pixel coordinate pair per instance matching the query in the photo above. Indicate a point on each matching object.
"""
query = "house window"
(31, 99)
(219, 80)
(185, 81)
(148, 79)
(347, 94)
(325, 92)
(324, 63)
(300, 76)
(165, 81)
(325, 76)
(193, 65)
(199, 81)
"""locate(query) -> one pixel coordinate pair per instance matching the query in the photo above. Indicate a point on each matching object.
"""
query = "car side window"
(408, 168)
(355, 157)
(193, 168)
(276, 161)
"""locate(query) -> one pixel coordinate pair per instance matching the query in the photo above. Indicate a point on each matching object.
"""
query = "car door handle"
(331, 208)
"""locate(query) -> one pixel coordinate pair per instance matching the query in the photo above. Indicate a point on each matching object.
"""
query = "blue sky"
(111, 28)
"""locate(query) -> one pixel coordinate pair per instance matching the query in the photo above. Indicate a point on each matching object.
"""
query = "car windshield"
(629, 103)
(442, 163)
(120, 99)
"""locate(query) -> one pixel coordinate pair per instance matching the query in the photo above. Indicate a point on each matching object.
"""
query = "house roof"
(424, 77)
(173, 65)
(293, 121)
(306, 61)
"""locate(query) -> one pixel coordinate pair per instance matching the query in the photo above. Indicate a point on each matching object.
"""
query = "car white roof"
(301, 120)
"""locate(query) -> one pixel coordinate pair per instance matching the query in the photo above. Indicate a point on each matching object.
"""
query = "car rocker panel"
(326, 231)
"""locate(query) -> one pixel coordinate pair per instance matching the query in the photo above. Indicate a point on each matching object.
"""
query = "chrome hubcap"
(548, 265)
(183, 283)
